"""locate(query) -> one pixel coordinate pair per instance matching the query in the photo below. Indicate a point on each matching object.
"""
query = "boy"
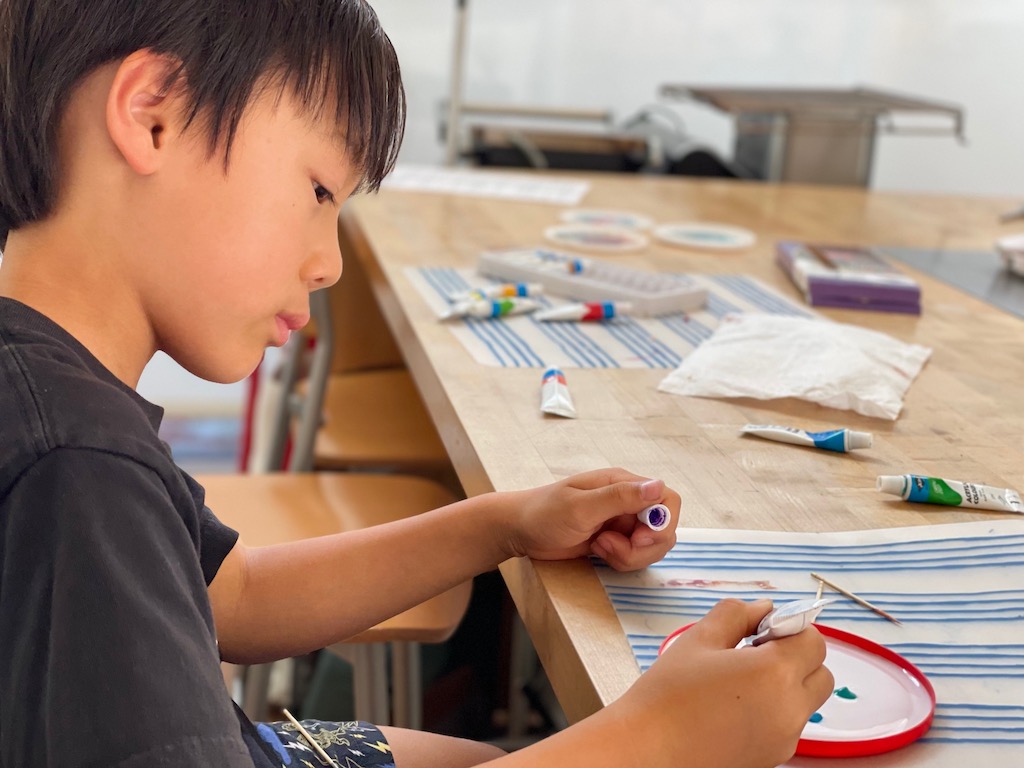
(170, 176)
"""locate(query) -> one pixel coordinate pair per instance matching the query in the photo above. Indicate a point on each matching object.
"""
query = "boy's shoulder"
(54, 394)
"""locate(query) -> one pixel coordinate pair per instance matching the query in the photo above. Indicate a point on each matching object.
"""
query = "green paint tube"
(951, 493)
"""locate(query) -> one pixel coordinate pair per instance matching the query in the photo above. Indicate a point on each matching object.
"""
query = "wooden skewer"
(821, 588)
(324, 757)
(858, 600)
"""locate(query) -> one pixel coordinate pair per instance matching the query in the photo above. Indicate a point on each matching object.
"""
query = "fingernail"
(643, 541)
(651, 489)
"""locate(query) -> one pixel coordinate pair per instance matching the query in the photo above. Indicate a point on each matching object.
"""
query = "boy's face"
(228, 259)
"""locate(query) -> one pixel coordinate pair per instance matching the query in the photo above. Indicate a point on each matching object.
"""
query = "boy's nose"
(324, 264)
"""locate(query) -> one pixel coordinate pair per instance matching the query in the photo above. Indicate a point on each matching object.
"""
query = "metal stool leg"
(254, 691)
(370, 682)
(406, 685)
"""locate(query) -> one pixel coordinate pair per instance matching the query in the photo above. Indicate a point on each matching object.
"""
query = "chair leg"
(406, 685)
(254, 691)
(522, 662)
(370, 682)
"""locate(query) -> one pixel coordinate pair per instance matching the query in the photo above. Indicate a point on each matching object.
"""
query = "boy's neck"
(74, 281)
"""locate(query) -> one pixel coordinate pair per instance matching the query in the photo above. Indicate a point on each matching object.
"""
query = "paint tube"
(587, 311)
(656, 517)
(554, 395)
(841, 440)
(952, 493)
(788, 619)
(502, 291)
(490, 308)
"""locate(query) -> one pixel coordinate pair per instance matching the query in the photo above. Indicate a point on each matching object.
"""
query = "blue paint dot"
(816, 718)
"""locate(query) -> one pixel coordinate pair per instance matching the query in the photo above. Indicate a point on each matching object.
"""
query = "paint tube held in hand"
(656, 517)
(951, 493)
(554, 395)
(788, 619)
(490, 308)
(841, 440)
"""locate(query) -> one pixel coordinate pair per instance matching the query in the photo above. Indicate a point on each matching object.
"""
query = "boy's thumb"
(730, 621)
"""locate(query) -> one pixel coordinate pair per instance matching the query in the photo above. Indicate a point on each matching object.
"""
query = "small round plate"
(708, 237)
(1012, 249)
(881, 701)
(606, 218)
(596, 238)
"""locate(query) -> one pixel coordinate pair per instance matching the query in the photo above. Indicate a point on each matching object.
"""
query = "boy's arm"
(285, 600)
(703, 704)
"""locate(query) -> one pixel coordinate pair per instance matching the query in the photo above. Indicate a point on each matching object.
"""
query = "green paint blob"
(816, 718)
(845, 693)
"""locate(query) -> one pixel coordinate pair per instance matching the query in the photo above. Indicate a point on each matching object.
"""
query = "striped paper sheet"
(658, 342)
(959, 590)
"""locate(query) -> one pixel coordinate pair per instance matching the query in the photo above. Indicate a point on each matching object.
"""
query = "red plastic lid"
(882, 702)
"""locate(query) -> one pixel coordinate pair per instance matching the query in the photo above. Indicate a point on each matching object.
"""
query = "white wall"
(600, 54)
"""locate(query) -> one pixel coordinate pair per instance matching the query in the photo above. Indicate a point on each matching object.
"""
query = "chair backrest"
(362, 339)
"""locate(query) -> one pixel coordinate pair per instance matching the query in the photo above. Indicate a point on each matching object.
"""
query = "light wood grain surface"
(963, 418)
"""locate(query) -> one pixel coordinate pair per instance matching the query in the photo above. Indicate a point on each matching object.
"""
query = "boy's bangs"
(359, 77)
(333, 57)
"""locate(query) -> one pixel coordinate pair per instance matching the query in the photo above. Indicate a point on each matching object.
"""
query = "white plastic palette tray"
(588, 279)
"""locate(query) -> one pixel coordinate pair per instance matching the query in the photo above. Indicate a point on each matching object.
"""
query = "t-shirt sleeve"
(108, 651)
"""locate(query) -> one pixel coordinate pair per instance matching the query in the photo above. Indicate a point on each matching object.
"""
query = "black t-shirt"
(108, 653)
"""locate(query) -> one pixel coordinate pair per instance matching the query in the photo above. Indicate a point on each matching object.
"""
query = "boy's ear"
(142, 115)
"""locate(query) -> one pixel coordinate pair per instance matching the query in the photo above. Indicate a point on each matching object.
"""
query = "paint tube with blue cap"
(500, 291)
(841, 440)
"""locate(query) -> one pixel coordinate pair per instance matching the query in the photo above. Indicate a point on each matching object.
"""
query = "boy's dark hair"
(328, 52)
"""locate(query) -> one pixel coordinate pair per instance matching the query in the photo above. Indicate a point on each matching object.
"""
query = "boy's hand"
(727, 706)
(593, 513)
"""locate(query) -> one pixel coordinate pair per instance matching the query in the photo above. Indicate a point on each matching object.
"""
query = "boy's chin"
(226, 369)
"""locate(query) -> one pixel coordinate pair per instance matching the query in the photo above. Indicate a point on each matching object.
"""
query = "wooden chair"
(273, 507)
(281, 507)
(373, 415)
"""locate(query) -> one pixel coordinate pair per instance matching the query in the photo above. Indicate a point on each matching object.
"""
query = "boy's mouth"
(286, 323)
(293, 322)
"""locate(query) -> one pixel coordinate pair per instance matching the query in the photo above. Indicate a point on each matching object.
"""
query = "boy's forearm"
(610, 738)
(290, 599)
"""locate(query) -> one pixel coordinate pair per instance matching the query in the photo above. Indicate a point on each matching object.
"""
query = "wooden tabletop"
(963, 417)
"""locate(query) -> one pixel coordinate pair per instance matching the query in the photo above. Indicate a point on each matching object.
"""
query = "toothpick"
(821, 588)
(858, 600)
(324, 757)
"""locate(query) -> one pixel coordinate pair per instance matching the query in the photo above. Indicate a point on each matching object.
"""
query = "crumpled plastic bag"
(773, 356)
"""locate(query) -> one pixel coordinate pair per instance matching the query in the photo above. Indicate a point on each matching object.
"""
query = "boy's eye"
(323, 195)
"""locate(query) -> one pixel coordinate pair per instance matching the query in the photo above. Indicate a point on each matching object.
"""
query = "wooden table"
(963, 417)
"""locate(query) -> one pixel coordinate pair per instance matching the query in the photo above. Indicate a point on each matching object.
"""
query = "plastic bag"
(772, 356)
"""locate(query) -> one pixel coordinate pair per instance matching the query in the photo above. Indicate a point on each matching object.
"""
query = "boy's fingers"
(730, 621)
(819, 685)
(807, 645)
(623, 554)
(625, 497)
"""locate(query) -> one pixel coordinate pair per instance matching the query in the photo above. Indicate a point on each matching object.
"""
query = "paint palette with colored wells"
(881, 701)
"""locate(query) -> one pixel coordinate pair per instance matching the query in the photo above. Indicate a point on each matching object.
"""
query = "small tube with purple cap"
(656, 517)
